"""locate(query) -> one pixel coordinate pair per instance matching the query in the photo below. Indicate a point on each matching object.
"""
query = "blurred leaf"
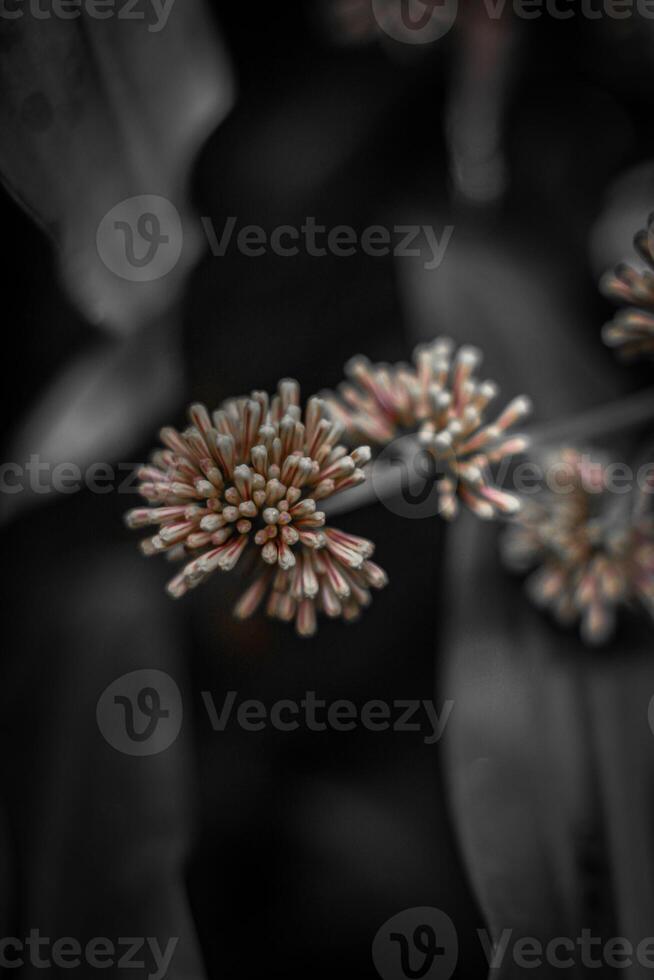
(544, 747)
(95, 112)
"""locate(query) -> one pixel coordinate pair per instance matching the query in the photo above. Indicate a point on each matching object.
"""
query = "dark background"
(288, 852)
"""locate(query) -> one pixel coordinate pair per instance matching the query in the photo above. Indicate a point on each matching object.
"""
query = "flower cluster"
(588, 560)
(632, 329)
(439, 397)
(248, 479)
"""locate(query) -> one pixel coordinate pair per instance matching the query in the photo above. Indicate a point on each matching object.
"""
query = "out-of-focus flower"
(439, 397)
(586, 558)
(350, 21)
(247, 479)
(632, 329)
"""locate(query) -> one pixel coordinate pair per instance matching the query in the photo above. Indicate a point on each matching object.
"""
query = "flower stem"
(386, 480)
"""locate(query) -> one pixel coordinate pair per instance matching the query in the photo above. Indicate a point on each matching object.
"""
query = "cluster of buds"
(440, 398)
(632, 329)
(248, 478)
(585, 560)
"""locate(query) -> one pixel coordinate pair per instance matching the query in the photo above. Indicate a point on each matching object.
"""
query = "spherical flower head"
(585, 558)
(440, 398)
(632, 329)
(247, 480)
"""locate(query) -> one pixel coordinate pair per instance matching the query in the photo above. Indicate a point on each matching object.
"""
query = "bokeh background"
(282, 854)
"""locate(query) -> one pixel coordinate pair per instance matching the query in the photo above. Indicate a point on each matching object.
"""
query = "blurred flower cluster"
(585, 555)
(632, 328)
(587, 552)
